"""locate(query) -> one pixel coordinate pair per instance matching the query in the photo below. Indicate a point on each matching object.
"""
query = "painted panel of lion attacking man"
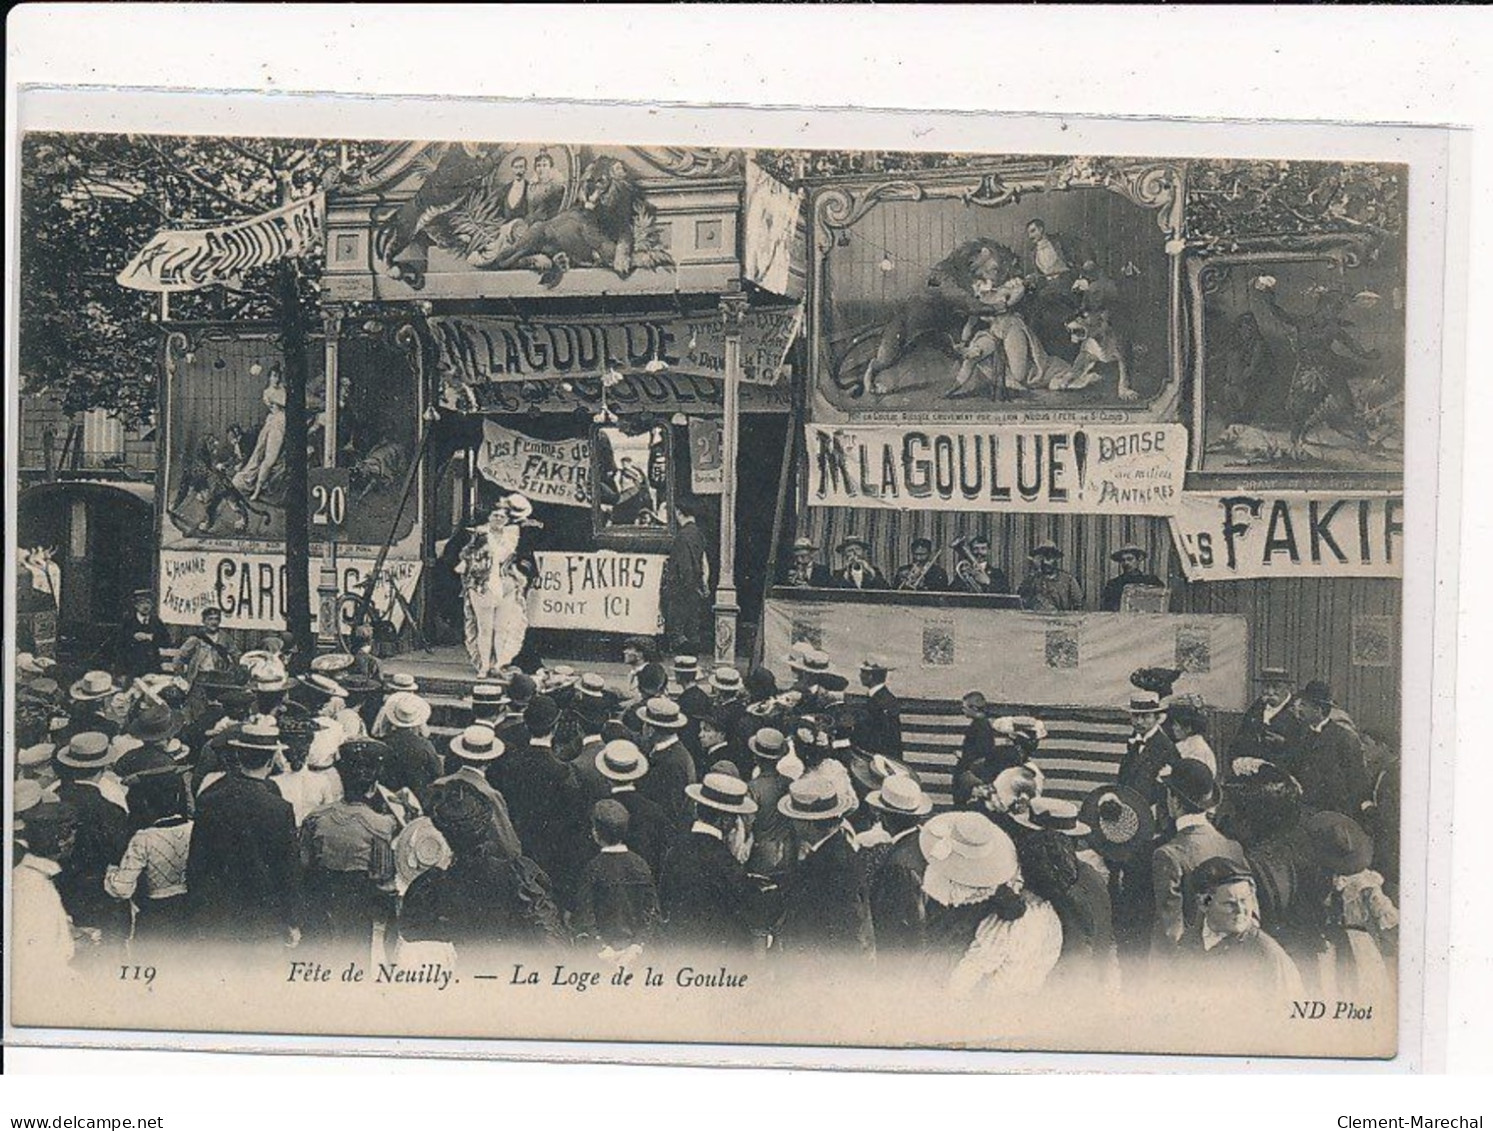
(941, 299)
(544, 209)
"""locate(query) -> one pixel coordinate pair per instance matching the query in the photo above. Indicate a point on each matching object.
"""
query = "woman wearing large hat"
(995, 938)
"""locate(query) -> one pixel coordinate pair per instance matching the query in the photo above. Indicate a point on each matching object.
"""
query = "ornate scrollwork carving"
(992, 192)
(1213, 276)
(691, 161)
(843, 207)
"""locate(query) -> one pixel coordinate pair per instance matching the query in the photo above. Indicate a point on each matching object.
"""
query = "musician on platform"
(922, 574)
(858, 572)
(803, 571)
(974, 572)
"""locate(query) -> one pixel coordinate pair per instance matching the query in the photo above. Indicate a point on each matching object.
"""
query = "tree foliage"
(90, 201)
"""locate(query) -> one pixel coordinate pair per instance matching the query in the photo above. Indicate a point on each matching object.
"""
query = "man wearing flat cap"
(1329, 763)
(708, 902)
(1225, 949)
(1132, 562)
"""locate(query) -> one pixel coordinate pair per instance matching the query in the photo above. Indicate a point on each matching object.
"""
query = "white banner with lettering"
(188, 260)
(600, 591)
(1088, 468)
(1232, 535)
(547, 471)
(250, 587)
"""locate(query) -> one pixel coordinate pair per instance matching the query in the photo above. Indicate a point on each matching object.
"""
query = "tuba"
(971, 573)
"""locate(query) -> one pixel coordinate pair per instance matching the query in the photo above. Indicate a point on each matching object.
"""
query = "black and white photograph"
(590, 591)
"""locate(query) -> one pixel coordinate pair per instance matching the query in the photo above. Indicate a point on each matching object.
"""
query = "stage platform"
(1082, 750)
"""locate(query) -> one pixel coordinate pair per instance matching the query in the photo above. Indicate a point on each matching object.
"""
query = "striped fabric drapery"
(1086, 540)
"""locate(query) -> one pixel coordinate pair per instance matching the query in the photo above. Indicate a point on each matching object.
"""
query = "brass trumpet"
(916, 575)
(969, 571)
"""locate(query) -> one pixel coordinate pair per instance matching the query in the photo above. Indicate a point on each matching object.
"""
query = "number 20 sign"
(328, 489)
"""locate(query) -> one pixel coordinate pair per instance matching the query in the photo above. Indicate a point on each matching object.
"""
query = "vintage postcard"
(544, 587)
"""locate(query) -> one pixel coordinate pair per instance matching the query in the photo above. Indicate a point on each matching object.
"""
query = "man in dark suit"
(826, 910)
(1132, 562)
(1148, 752)
(976, 573)
(686, 587)
(102, 836)
(988, 749)
(922, 574)
(469, 760)
(707, 901)
(879, 727)
(1269, 730)
(622, 765)
(243, 867)
(1191, 793)
(672, 766)
(1329, 764)
(544, 796)
(858, 572)
(773, 849)
(803, 571)
(898, 907)
(139, 639)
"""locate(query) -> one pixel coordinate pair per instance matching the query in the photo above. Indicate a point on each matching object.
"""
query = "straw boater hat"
(332, 663)
(93, 686)
(718, 791)
(769, 744)
(477, 743)
(488, 696)
(405, 709)
(1052, 814)
(37, 755)
(686, 665)
(260, 735)
(663, 713)
(418, 848)
(400, 681)
(323, 685)
(876, 664)
(1130, 548)
(728, 680)
(1338, 844)
(30, 664)
(592, 686)
(902, 795)
(968, 849)
(1120, 822)
(873, 770)
(1144, 703)
(88, 751)
(1024, 729)
(812, 798)
(621, 760)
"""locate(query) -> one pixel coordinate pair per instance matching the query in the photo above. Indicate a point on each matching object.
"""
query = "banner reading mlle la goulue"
(1087, 468)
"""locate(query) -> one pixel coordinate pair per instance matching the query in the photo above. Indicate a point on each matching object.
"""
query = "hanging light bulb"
(886, 264)
(694, 339)
(256, 369)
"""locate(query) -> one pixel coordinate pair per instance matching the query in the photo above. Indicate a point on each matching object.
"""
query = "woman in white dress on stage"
(495, 589)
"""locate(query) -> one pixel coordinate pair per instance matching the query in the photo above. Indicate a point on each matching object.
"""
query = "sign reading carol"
(547, 471)
(1232, 535)
(1094, 469)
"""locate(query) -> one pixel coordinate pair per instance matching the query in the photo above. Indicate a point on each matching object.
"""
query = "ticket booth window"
(632, 485)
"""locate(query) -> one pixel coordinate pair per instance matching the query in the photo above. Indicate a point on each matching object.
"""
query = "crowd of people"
(229, 799)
